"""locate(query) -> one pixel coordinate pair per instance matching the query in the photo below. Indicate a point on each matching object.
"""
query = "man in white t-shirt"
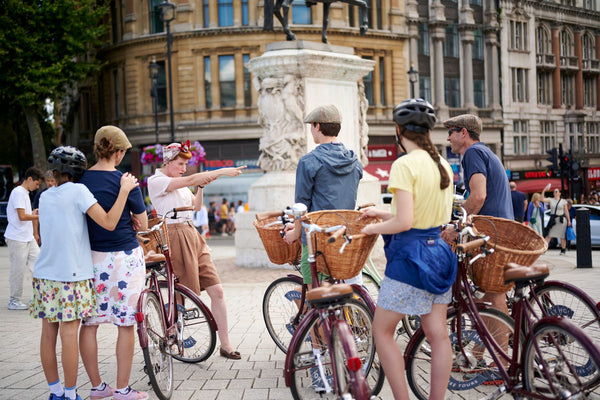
(22, 244)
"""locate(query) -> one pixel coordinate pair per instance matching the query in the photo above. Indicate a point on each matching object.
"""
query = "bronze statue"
(276, 9)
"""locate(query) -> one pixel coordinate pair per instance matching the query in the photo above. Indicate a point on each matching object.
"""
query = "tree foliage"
(44, 51)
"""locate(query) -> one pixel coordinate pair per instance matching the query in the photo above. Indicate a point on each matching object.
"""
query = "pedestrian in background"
(22, 235)
(535, 214)
(559, 215)
(519, 202)
(421, 267)
(200, 221)
(49, 181)
(63, 285)
(119, 266)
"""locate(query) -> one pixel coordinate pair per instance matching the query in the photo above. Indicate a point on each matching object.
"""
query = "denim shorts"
(406, 299)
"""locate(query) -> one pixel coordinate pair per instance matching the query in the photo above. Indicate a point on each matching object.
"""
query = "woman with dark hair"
(119, 267)
(421, 267)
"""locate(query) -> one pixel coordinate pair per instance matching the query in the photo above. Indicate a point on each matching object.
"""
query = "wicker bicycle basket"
(514, 242)
(349, 263)
(151, 242)
(278, 251)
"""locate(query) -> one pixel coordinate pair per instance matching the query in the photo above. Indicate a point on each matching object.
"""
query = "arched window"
(588, 46)
(566, 43)
(543, 42)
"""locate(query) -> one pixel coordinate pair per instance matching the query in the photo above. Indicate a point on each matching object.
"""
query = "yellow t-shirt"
(418, 174)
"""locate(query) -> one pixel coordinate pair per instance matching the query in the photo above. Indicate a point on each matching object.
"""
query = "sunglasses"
(452, 130)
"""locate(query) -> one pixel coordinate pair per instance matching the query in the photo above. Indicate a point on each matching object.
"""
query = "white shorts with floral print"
(119, 278)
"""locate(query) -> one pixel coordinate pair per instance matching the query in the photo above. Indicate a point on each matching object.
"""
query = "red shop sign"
(594, 174)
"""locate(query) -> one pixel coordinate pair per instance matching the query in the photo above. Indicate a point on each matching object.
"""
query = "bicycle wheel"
(350, 380)
(371, 285)
(280, 308)
(561, 363)
(473, 375)
(311, 370)
(199, 339)
(561, 300)
(159, 364)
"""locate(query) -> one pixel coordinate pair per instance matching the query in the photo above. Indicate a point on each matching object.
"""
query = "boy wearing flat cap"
(327, 177)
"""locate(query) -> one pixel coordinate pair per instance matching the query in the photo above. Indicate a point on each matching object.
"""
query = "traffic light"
(553, 167)
(565, 165)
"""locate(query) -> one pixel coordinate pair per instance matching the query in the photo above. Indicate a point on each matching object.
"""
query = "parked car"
(594, 222)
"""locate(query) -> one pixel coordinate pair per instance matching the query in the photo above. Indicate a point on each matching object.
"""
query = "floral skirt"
(119, 278)
(406, 299)
(62, 301)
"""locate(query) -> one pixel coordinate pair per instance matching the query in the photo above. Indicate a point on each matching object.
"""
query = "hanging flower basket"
(198, 154)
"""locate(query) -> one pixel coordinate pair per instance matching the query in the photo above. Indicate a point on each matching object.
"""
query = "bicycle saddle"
(514, 272)
(328, 294)
(154, 260)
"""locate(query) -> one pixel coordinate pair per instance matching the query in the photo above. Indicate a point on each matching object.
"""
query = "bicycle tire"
(371, 285)
(159, 363)
(466, 381)
(349, 382)
(304, 358)
(199, 339)
(570, 366)
(280, 309)
(565, 300)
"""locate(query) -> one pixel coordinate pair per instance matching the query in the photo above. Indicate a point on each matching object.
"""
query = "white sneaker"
(17, 305)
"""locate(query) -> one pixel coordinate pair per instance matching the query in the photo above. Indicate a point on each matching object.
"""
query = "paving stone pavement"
(257, 376)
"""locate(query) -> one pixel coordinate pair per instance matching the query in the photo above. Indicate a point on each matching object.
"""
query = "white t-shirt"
(201, 217)
(240, 209)
(164, 201)
(65, 255)
(21, 231)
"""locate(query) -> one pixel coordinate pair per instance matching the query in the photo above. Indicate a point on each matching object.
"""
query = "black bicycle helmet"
(416, 115)
(68, 160)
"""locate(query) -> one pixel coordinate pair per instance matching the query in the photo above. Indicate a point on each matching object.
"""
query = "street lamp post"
(167, 14)
(153, 68)
(413, 77)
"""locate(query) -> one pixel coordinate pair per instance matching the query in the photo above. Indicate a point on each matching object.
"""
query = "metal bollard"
(584, 240)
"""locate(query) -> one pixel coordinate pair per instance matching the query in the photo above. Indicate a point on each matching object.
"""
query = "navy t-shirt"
(105, 186)
(479, 159)
(518, 202)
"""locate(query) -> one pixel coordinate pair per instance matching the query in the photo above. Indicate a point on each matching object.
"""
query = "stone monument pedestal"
(293, 78)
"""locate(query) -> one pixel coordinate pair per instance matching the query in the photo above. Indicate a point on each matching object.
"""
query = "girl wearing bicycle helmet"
(62, 277)
(420, 266)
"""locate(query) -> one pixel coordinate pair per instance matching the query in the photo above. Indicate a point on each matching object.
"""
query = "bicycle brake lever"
(347, 241)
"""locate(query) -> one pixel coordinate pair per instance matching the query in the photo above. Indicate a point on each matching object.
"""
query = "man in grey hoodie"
(327, 177)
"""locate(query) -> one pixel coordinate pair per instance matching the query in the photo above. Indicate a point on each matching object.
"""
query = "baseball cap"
(115, 135)
(328, 114)
(468, 121)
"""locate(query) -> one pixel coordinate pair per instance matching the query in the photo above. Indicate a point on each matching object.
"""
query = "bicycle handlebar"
(464, 247)
(337, 234)
(173, 215)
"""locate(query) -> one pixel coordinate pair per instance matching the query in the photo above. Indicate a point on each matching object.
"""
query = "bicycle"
(285, 306)
(332, 347)
(188, 335)
(528, 355)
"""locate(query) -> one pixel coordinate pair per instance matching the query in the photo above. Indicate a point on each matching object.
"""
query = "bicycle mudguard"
(364, 296)
(139, 317)
(289, 356)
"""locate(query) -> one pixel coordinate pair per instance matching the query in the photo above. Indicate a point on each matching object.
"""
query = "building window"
(566, 44)
(589, 91)
(379, 12)
(452, 92)
(116, 88)
(520, 139)
(478, 45)
(381, 81)
(425, 87)
(544, 44)
(227, 81)
(544, 87)
(161, 87)
(548, 135)
(368, 82)
(205, 14)
(567, 89)
(207, 83)
(156, 24)
(589, 5)
(519, 86)
(587, 45)
(225, 11)
(451, 42)
(593, 137)
(301, 14)
(518, 35)
(423, 39)
(244, 12)
(247, 82)
(475, 2)
(479, 93)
